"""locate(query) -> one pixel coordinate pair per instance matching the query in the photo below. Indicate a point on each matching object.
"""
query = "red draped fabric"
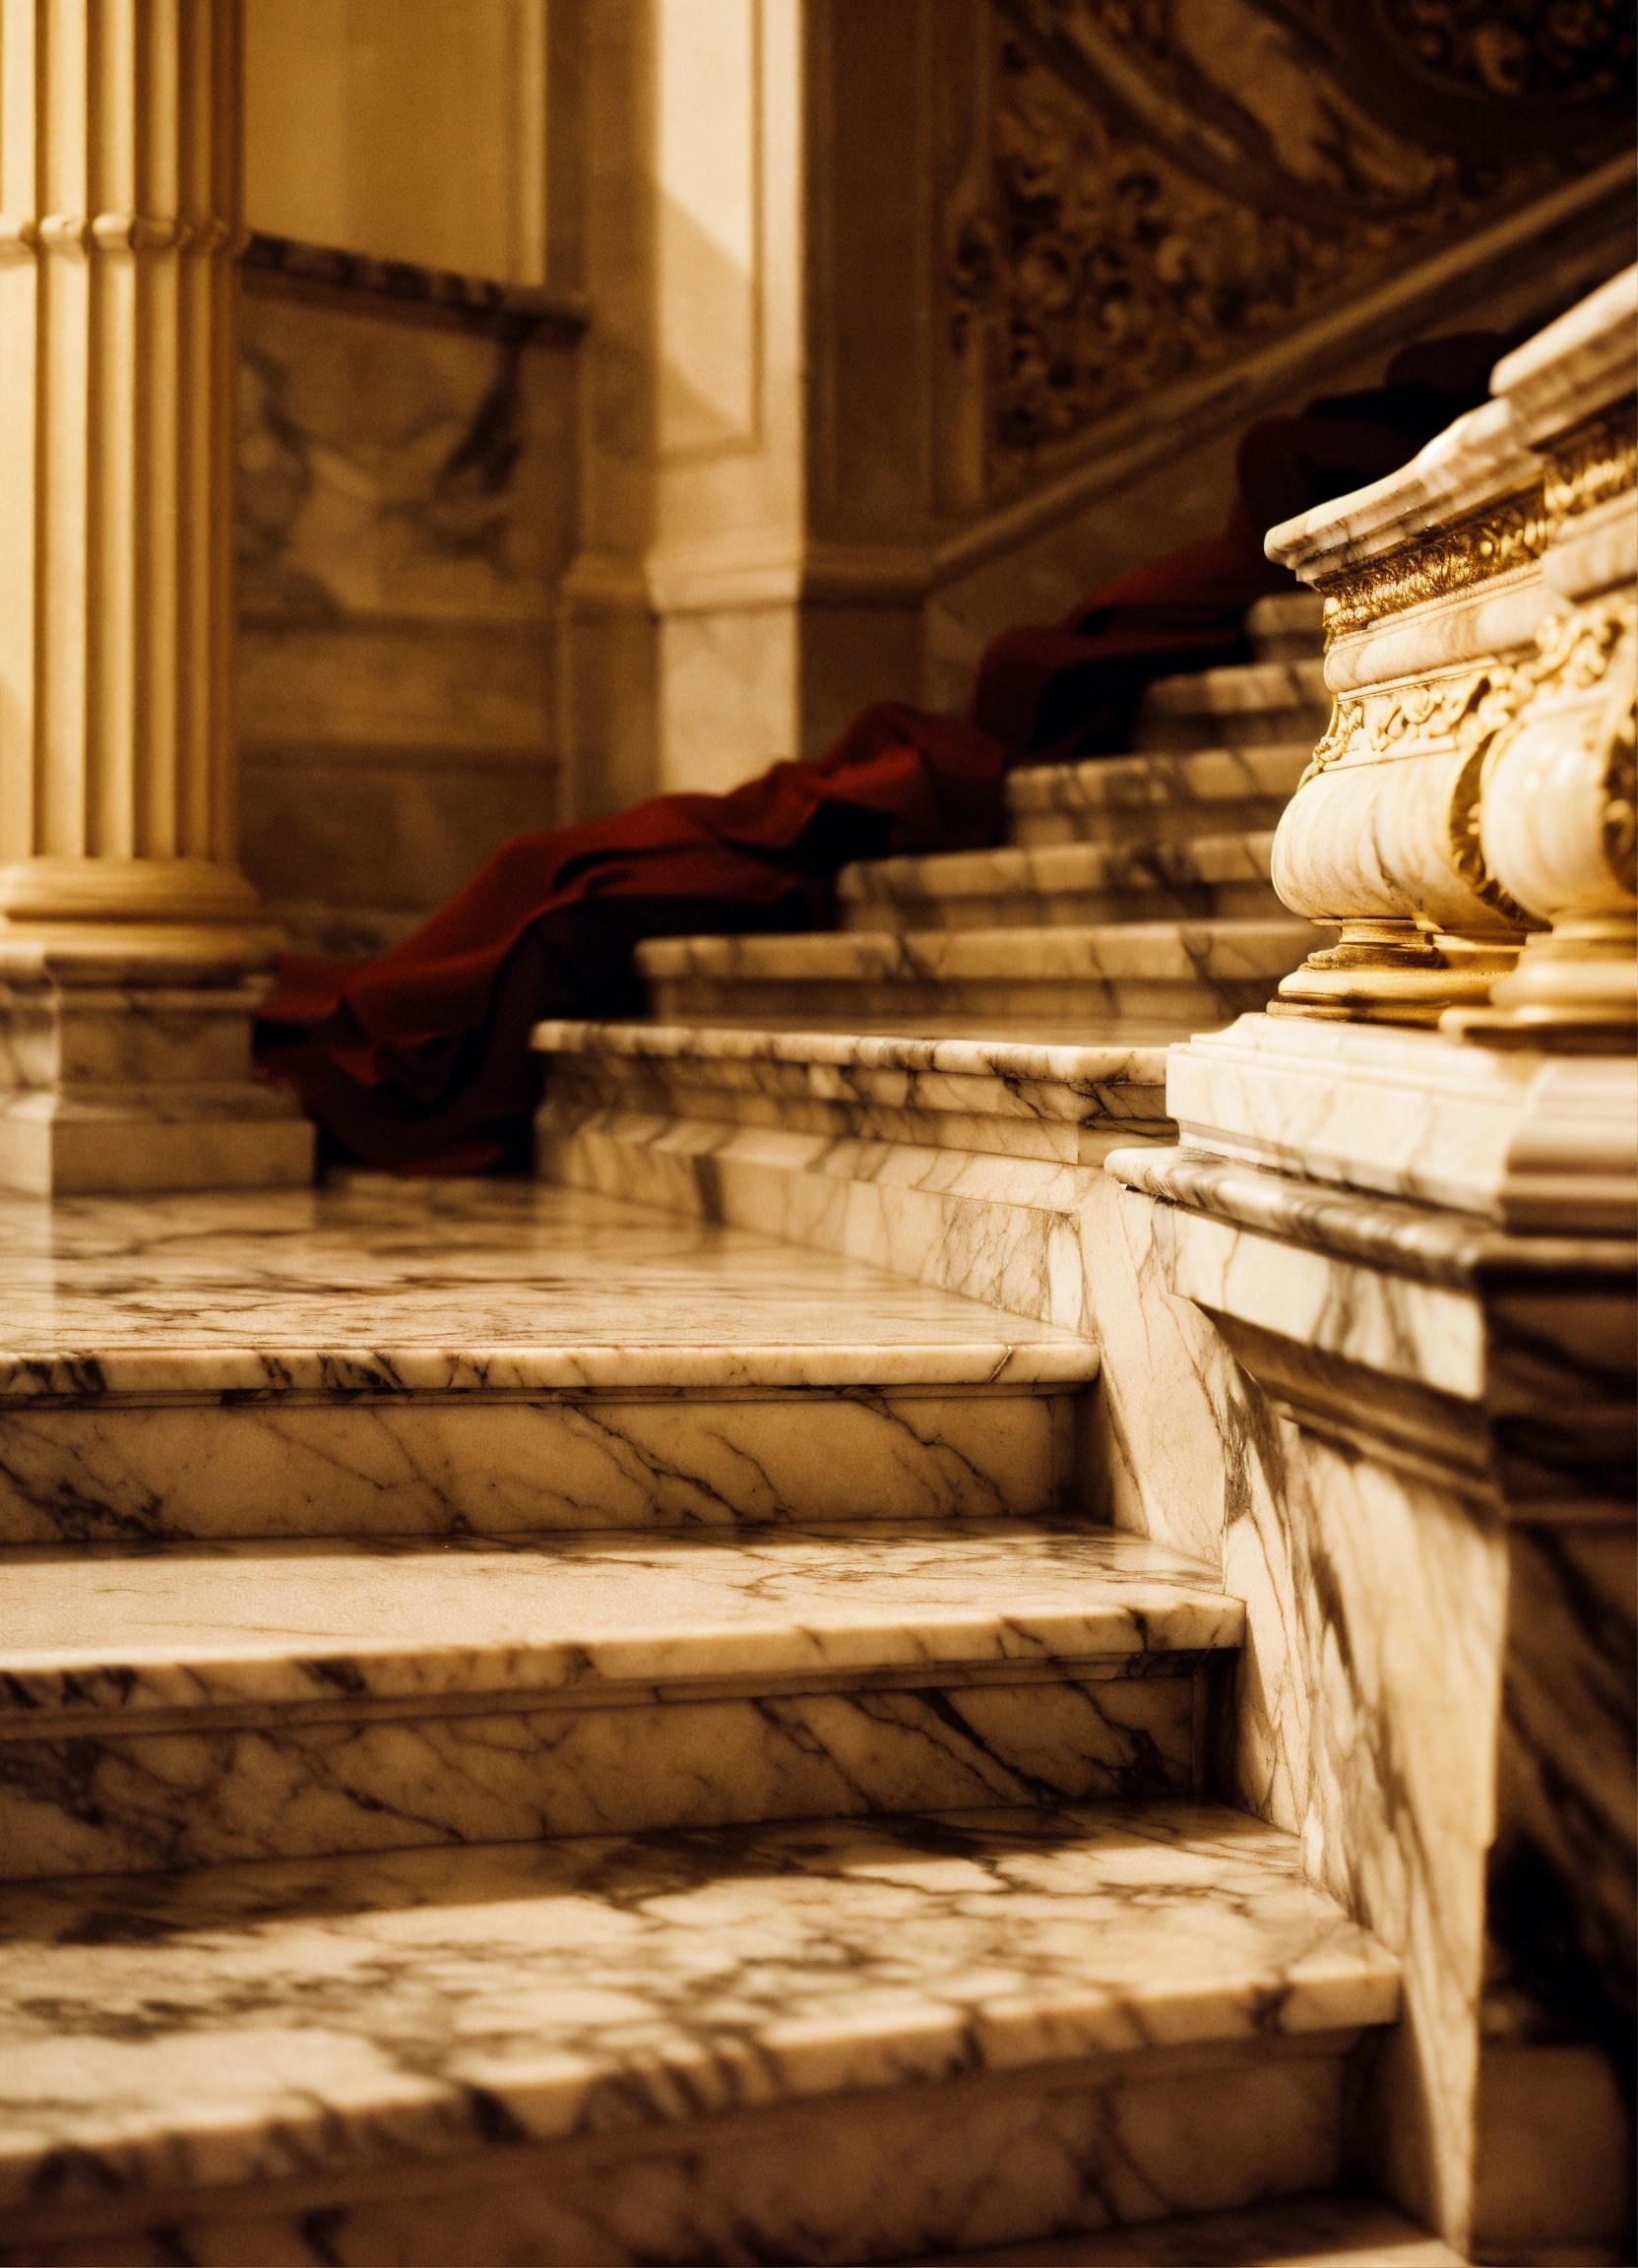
(419, 1060)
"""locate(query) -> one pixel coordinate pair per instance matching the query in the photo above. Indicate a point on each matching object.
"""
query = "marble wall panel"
(406, 507)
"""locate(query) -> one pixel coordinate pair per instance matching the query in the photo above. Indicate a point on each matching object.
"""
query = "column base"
(125, 1066)
(1394, 973)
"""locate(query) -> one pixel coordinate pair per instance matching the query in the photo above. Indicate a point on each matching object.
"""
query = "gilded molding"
(1597, 461)
(1493, 542)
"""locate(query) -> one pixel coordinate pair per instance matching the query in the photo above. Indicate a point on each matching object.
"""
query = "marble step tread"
(347, 2041)
(182, 1707)
(575, 1621)
(1063, 883)
(1007, 1098)
(378, 1285)
(1155, 949)
(1155, 797)
(1137, 982)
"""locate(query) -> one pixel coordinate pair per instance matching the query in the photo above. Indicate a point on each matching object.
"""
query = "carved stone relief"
(1176, 182)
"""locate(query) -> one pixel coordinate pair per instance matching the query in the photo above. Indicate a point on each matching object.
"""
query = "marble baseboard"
(1156, 797)
(193, 1706)
(842, 2040)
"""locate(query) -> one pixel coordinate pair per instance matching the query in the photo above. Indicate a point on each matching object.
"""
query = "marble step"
(1141, 982)
(1249, 705)
(1144, 800)
(1064, 885)
(1337, 2230)
(1288, 626)
(196, 1704)
(837, 2041)
(390, 1357)
(810, 1089)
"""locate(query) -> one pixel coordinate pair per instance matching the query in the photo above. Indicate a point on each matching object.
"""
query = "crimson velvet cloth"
(419, 1060)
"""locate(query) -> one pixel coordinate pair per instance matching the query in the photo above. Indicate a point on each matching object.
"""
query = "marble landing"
(833, 2041)
(1136, 982)
(384, 1356)
(205, 1703)
(1064, 885)
(1155, 798)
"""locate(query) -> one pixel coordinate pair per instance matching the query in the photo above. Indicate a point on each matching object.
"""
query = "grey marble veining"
(382, 1286)
(1009, 1099)
(1134, 982)
(1248, 704)
(231, 1702)
(1153, 798)
(1061, 885)
(260, 2029)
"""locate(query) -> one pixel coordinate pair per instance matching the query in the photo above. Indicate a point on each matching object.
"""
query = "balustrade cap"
(1473, 462)
(1585, 361)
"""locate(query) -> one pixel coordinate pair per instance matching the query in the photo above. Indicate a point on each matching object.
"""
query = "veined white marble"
(403, 2028)
(106, 1640)
(1576, 365)
(1135, 982)
(384, 1287)
(1153, 798)
(1064, 884)
(1009, 1097)
(383, 1357)
(1248, 704)
(1531, 1141)
(254, 1702)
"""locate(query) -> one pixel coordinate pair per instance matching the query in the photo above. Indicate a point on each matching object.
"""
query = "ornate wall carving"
(1174, 183)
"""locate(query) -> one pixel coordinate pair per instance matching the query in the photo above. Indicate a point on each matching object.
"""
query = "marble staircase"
(1131, 897)
(535, 1731)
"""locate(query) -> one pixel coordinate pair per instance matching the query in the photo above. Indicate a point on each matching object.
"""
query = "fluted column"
(131, 953)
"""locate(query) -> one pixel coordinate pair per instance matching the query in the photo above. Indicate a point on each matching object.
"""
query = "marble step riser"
(893, 2174)
(125, 1473)
(1183, 734)
(639, 1100)
(1084, 1007)
(1249, 900)
(1137, 805)
(1143, 827)
(265, 1783)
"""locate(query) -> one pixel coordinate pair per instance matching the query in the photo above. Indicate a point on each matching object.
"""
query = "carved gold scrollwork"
(1491, 543)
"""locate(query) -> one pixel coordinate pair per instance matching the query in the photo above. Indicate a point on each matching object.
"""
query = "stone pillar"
(763, 475)
(131, 952)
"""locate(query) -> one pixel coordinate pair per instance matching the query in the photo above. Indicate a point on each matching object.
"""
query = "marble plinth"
(1529, 1141)
(126, 1069)
(831, 2041)
(248, 1701)
(1153, 798)
(383, 1357)
(1346, 2231)
(1063, 884)
(1143, 979)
